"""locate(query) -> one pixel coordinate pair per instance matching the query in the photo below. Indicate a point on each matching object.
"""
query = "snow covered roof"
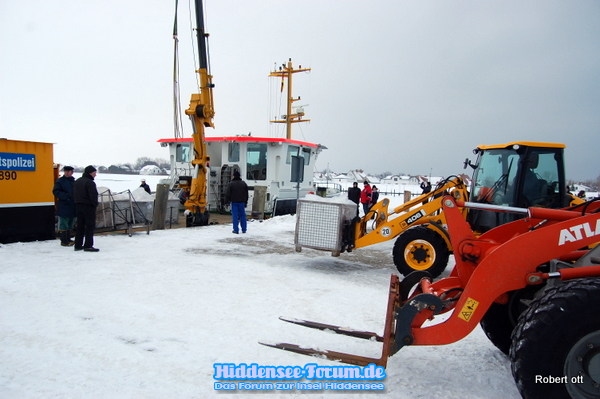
(151, 170)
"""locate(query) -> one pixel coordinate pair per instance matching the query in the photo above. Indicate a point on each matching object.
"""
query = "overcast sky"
(399, 86)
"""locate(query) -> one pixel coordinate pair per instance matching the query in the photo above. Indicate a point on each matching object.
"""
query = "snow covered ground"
(150, 315)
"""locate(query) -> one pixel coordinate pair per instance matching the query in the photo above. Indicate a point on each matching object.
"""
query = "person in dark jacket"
(374, 198)
(374, 195)
(237, 195)
(86, 199)
(65, 207)
(354, 195)
(426, 187)
(146, 187)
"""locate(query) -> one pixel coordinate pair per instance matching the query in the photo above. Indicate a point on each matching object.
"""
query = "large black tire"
(556, 343)
(420, 248)
(500, 320)
(193, 219)
(497, 326)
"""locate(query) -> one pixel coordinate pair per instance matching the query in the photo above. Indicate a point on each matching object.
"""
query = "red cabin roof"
(243, 139)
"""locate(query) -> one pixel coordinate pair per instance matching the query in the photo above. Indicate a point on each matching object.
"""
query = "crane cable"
(177, 121)
(193, 38)
(177, 116)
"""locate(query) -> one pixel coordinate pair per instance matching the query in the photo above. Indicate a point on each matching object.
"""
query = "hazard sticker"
(468, 309)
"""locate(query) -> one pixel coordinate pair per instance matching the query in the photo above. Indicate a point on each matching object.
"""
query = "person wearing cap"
(354, 195)
(86, 199)
(237, 195)
(65, 205)
(146, 186)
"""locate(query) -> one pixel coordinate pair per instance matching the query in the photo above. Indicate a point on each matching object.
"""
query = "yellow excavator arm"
(201, 112)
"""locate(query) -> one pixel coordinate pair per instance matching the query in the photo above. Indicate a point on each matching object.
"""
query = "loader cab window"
(182, 153)
(522, 177)
(539, 180)
(492, 184)
(496, 170)
(256, 156)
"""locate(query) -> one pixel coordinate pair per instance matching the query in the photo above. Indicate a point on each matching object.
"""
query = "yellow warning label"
(468, 309)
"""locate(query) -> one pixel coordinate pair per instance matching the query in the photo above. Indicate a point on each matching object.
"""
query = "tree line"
(130, 168)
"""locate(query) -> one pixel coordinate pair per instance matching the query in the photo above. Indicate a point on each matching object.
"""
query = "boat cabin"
(266, 164)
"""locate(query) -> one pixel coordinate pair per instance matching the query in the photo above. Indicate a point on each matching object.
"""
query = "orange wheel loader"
(541, 264)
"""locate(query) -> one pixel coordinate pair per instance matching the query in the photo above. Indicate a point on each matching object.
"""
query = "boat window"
(233, 154)
(256, 157)
(306, 155)
(293, 151)
(182, 153)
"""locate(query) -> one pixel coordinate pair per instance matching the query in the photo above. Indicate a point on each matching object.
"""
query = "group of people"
(367, 197)
(77, 201)
(76, 208)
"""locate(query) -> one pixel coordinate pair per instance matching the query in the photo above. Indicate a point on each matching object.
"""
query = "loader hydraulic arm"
(423, 209)
(201, 112)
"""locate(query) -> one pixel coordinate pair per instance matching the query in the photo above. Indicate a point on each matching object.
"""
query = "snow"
(336, 199)
(121, 182)
(149, 315)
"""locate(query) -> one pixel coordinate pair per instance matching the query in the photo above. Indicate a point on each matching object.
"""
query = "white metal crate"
(320, 224)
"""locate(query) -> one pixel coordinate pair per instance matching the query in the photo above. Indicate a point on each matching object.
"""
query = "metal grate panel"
(319, 225)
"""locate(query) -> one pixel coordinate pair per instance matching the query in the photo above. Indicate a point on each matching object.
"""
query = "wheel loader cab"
(520, 175)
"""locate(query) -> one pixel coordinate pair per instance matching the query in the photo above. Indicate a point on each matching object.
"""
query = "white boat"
(327, 188)
(278, 171)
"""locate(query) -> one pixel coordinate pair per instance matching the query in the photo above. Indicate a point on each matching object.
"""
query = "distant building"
(373, 179)
(401, 180)
(342, 179)
(151, 170)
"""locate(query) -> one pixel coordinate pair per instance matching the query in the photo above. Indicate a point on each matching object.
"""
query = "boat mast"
(289, 118)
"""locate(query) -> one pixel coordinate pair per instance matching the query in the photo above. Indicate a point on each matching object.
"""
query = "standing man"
(354, 195)
(365, 197)
(237, 194)
(86, 199)
(426, 187)
(145, 186)
(65, 210)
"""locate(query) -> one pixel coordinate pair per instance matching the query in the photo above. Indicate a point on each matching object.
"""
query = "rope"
(192, 41)
(206, 29)
(177, 121)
